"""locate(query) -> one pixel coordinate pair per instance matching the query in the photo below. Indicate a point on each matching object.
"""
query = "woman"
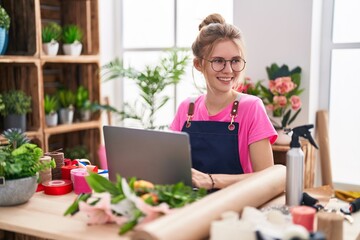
(230, 133)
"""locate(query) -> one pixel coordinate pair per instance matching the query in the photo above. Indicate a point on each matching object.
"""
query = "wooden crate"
(24, 76)
(71, 76)
(89, 138)
(83, 13)
(22, 33)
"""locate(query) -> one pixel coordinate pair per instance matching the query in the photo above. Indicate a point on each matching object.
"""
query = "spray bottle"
(295, 165)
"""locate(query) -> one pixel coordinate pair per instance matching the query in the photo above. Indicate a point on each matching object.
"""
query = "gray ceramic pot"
(17, 191)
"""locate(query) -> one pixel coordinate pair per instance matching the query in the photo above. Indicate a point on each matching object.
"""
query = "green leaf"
(74, 207)
(100, 184)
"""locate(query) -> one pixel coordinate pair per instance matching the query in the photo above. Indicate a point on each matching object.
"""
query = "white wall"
(280, 31)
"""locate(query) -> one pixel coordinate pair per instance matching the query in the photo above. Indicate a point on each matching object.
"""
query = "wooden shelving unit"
(25, 66)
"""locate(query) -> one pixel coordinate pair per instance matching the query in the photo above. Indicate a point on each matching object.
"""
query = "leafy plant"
(20, 158)
(151, 82)
(77, 152)
(83, 102)
(67, 98)
(131, 202)
(51, 32)
(15, 102)
(51, 104)
(72, 33)
(4, 19)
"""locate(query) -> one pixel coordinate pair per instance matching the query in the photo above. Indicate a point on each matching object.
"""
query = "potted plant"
(51, 106)
(19, 165)
(51, 34)
(85, 106)
(72, 36)
(4, 30)
(67, 105)
(151, 83)
(16, 105)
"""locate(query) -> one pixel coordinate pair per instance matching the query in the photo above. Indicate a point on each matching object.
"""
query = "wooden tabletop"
(42, 216)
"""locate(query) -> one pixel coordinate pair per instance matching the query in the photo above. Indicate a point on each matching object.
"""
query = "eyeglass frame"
(211, 63)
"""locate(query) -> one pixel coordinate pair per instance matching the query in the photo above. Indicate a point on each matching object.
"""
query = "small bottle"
(295, 165)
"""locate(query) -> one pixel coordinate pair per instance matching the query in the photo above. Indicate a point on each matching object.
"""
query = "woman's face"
(224, 80)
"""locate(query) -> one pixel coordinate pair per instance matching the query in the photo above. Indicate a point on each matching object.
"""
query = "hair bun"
(212, 18)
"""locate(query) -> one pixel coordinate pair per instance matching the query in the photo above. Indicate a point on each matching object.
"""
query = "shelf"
(70, 59)
(19, 59)
(64, 128)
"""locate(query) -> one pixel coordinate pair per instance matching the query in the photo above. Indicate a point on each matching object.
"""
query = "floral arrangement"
(281, 96)
(130, 203)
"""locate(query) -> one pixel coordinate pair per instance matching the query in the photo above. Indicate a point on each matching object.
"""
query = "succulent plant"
(51, 104)
(51, 32)
(72, 33)
(16, 137)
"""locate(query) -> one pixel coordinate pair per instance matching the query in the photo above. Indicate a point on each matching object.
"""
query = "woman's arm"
(261, 157)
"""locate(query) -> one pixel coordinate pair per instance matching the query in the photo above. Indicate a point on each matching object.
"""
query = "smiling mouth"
(225, 79)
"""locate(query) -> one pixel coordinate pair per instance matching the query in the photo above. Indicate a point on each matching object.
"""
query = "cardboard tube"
(193, 221)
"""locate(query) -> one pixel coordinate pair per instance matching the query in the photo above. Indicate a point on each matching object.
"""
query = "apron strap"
(233, 113)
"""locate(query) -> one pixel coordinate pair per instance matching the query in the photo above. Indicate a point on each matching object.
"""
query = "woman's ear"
(197, 64)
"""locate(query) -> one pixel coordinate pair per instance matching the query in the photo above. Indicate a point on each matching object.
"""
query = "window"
(344, 109)
(161, 24)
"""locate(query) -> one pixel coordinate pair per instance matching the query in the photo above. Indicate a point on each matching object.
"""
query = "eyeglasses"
(218, 64)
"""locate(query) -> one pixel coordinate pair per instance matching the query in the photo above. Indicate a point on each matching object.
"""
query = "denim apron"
(214, 145)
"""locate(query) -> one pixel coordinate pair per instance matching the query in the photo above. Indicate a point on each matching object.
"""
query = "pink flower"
(295, 102)
(281, 85)
(280, 101)
(101, 212)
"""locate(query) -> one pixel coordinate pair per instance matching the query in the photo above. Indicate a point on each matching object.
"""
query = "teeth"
(226, 79)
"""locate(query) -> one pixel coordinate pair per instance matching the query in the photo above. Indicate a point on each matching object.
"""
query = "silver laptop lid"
(156, 156)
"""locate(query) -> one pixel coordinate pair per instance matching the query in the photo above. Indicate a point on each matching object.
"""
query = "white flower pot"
(51, 48)
(73, 49)
(51, 119)
(283, 138)
(66, 115)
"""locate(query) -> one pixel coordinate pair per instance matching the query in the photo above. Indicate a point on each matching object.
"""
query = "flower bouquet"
(281, 97)
(130, 203)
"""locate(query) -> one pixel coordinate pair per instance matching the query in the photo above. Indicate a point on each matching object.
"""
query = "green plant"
(67, 98)
(77, 152)
(51, 104)
(84, 103)
(151, 82)
(72, 33)
(15, 102)
(20, 158)
(4, 19)
(51, 32)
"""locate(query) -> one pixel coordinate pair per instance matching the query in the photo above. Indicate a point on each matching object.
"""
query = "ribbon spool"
(59, 160)
(57, 187)
(78, 178)
(45, 175)
(304, 216)
(65, 171)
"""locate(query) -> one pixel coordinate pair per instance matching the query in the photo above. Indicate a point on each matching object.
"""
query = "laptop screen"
(157, 156)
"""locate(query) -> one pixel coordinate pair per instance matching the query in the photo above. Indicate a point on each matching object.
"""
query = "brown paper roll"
(193, 221)
(331, 224)
(59, 160)
(45, 175)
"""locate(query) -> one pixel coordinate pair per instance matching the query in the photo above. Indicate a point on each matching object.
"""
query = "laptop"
(157, 156)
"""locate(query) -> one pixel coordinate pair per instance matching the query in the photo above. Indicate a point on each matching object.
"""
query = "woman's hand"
(201, 180)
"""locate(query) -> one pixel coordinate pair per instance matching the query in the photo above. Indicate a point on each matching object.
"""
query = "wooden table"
(279, 152)
(42, 218)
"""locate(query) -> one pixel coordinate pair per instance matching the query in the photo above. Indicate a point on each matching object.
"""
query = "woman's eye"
(235, 60)
(219, 60)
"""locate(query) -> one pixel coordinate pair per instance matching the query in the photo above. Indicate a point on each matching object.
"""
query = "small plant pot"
(17, 191)
(66, 115)
(15, 121)
(51, 48)
(51, 119)
(73, 49)
(85, 115)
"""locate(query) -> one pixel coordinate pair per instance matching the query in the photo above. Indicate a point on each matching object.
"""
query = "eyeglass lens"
(218, 64)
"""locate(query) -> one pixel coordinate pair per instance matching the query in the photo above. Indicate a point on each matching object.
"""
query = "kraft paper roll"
(59, 160)
(45, 175)
(193, 221)
(331, 224)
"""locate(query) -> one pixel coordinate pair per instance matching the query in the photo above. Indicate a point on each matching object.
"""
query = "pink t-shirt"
(254, 124)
